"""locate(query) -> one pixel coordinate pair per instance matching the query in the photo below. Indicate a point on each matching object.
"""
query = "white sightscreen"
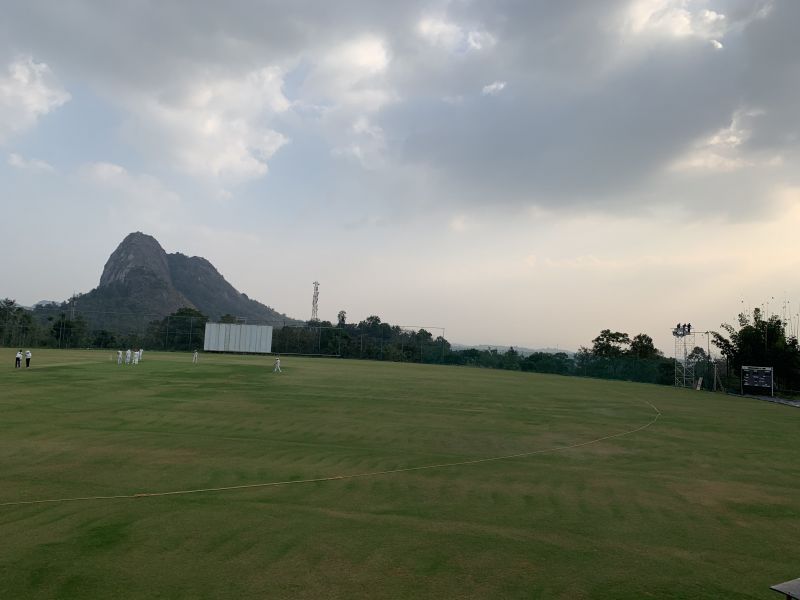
(235, 337)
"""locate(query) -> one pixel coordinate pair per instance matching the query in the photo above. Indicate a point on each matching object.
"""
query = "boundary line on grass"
(247, 486)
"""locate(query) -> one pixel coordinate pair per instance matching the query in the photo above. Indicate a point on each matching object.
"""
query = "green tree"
(697, 355)
(104, 339)
(511, 360)
(371, 323)
(69, 333)
(183, 330)
(610, 344)
(642, 347)
(8, 308)
(17, 325)
(760, 341)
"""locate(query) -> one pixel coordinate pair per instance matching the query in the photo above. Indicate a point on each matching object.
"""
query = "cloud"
(493, 88)
(439, 32)
(606, 100)
(138, 200)
(453, 100)
(723, 151)
(675, 18)
(28, 92)
(458, 224)
(600, 115)
(351, 75)
(349, 83)
(367, 144)
(478, 40)
(217, 127)
(32, 164)
(142, 190)
(662, 20)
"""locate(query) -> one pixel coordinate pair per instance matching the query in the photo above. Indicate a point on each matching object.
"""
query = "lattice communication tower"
(315, 302)
(684, 344)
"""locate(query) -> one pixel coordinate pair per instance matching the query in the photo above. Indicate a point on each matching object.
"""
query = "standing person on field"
(119, 357)
(18, 359)
(141, 351)
(195, 357)
(27, 359)
(128, 356)
(136, 357)
(277, 368)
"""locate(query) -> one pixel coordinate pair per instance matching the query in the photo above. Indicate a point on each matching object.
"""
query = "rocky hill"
(141, 283)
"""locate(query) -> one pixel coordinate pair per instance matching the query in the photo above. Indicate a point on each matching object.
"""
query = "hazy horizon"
(518, 173)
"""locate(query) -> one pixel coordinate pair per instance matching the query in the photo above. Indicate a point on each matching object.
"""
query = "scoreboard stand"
(758, 377)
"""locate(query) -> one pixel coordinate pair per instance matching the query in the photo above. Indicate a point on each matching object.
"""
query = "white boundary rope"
(247, 486)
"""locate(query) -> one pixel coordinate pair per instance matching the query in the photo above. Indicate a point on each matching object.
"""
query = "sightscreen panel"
(236, 337)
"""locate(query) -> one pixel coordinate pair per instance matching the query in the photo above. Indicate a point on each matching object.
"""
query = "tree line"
(57, 326)
(755, 339)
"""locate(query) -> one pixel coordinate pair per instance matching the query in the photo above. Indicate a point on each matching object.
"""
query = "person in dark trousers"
(18, 359)
(27, 359)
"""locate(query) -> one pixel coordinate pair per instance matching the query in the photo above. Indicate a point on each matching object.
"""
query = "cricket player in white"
(277, 368)
(136, 357)
(128, 357)
(119, 357)
(141, 351)
(194, 357)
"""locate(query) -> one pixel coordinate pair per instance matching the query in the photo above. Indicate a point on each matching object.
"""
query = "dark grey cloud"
(579, 142)
(147, 42)
(587, 118)
(591, 113)
(770, 76)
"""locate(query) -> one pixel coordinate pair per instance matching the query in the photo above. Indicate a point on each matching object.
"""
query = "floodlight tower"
(315, 302)
(684, 344)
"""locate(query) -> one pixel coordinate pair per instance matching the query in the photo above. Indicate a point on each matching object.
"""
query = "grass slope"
(702, 504)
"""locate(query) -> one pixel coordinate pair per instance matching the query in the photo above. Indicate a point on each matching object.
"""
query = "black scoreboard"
(760, 377)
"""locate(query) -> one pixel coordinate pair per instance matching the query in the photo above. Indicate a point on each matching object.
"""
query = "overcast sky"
(517, 172)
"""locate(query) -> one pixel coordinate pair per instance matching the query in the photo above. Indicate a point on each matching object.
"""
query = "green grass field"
(704, 503)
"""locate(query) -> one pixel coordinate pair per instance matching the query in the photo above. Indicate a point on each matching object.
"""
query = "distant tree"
(544, 362)
(511, 359)
(583, 360)
(9, 312)
(183, 330)
(642, 347)
(69, 333)
(341, 318)
(697, 355)
(443, 347)
(227, 318)
(18, 327)
(104, 339)
(610, 344)
(372, 321)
